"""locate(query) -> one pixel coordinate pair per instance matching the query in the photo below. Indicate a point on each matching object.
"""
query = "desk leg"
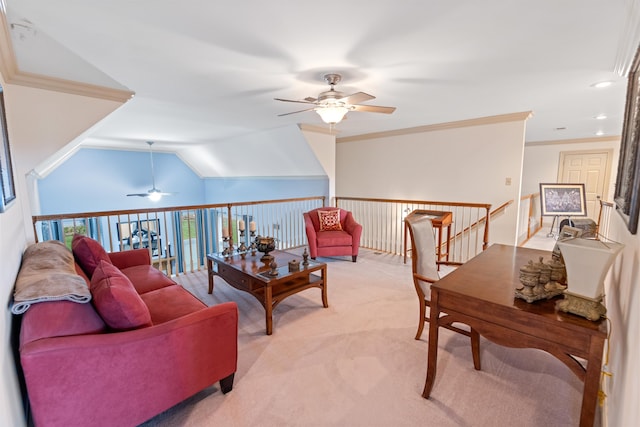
(432, 358)
(210, 274)
(591, 382)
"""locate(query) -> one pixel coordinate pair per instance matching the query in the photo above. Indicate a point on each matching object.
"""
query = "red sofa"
(343, 239)
(80, 371)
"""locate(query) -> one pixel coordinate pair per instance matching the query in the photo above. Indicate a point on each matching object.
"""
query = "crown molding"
(503, 118)
(613, 138)
(12, 74)
(628, 40)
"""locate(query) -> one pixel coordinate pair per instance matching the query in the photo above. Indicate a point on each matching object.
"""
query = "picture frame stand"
(555, 230)
(551, 232)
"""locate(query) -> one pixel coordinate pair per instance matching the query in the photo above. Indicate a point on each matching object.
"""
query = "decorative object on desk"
(536, 282)
(558, 275)
(242, 249)
(545, 273)
(252, 233)
(273, 267)
(587, 262)
(294, 265)
(529, 277)
(227, 250)
(265, 245)
(305, 257)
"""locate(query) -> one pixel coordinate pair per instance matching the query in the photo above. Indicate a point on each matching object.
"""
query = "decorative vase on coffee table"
(265, 245)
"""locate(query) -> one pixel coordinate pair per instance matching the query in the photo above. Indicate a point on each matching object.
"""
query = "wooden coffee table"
(253, 276)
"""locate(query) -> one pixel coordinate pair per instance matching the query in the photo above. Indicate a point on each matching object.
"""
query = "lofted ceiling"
(207, 71)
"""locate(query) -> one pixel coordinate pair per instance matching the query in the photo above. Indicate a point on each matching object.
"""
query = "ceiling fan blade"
(294, 112)
(310, 99)
(373, 109)
(356, 98)
(292, 100)
(138, 195)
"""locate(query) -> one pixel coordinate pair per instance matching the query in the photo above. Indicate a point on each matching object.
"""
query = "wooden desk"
(439, 220)
(480, 294)
(252, 276)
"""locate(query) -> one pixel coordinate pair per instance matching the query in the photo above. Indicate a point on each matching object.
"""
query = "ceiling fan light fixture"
(155, 195)
(332, 105)
(332, 114)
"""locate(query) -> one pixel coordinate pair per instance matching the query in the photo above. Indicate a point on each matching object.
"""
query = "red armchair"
(329, 237)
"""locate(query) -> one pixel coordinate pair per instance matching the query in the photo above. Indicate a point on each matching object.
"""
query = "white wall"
(12, 243)
(541, 161)
(39, 122)
(623, 309)
(323, 145)
(456, 164)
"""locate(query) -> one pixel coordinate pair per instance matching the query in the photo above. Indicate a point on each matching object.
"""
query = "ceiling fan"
(153, 194)
(332, 105)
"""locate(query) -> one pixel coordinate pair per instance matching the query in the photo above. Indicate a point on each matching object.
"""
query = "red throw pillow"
(116, 299)
(88, 253)
(330, 220)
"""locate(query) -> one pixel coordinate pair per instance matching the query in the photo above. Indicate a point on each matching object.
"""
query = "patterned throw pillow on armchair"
(330, 220)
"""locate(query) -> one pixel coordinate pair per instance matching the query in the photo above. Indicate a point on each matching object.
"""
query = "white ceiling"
(205, 71)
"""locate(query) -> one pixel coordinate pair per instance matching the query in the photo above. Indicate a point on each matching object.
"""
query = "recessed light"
(600, 85)
(600, 117)
(600, 133)
(560, 128)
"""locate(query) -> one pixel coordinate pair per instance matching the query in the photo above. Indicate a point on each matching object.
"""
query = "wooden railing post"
(485, 239)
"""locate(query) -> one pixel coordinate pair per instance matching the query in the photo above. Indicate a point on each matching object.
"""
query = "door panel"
(591, 168)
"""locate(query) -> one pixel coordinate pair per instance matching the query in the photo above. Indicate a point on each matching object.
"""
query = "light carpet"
(357, 363)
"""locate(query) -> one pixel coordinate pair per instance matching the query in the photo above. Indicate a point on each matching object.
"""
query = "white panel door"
(591, 168)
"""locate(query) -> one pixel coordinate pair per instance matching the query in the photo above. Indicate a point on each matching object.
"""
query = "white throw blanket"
(48, 274)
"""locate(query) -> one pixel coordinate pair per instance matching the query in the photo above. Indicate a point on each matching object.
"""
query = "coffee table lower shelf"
(254, 278)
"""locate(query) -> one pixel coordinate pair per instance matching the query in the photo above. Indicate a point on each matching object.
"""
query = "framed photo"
(626, 196)
(7, 186)
(563, 200)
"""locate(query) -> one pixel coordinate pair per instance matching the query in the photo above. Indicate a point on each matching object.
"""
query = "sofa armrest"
(311, 235)
(130, 258)
(128, 377)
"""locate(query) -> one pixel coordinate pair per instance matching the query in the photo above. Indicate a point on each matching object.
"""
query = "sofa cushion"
(116, 299)
(146, 278)
(88, 253)
(334, 238)
(329, 220)
(170, 303)
(59, 319)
